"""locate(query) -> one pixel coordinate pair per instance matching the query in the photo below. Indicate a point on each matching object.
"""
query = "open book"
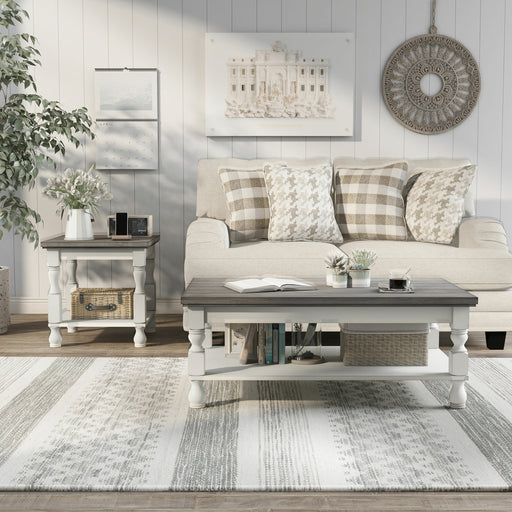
(267, 284)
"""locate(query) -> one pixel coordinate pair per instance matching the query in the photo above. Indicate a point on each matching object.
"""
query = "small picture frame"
(138, 225)
(234, 338)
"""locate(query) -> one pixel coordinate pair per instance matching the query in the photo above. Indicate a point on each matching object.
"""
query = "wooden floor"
(28, 336)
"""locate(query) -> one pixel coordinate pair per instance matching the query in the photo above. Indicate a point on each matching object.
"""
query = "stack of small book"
(264, 344)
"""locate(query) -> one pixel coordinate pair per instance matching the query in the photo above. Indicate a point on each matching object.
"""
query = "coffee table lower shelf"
(222, 367)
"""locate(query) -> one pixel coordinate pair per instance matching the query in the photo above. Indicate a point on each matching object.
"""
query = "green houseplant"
(359, 271)
(33, 130)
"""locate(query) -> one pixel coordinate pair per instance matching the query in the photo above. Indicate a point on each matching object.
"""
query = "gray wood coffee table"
(434, 300)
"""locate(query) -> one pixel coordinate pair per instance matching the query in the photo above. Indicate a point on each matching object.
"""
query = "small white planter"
(78, 225)
(339, 281)
(329, 276)
(360, 278)
(5, 317)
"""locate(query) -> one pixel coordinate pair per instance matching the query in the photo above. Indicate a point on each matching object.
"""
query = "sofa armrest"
(482, 233)
(204, 237)
(203, 234)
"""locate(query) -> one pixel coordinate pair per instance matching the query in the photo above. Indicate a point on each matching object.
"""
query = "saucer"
(384, 288)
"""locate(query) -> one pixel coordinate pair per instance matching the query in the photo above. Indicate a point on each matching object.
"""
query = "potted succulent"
(333, 263)
(34, 130)
(340, 277)
(360, 268)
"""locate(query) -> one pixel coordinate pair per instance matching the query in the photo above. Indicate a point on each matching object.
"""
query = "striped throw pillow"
(247, 202)
(369, 203)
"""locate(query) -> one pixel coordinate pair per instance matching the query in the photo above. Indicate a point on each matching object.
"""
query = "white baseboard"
(39, 305)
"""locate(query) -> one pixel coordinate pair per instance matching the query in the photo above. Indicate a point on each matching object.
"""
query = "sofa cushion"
(247, 201)
(369, 203)
(435, 203)
(300, 204)
(469, 268)
(211, 201)
(259, 259)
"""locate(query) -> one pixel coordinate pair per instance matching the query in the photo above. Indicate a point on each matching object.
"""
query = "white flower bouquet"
(77, 189)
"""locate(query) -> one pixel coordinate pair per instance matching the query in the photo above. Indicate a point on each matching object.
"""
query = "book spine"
(261, 343)
(268, 343)
(282, 343)
(275, 343)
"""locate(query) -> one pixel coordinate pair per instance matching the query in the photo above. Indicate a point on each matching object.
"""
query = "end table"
(140, 250)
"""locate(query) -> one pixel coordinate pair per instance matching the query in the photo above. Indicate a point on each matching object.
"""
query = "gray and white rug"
(124, 424)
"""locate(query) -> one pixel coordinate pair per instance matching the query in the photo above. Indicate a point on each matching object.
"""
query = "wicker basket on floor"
(102, 303)
(361, 345)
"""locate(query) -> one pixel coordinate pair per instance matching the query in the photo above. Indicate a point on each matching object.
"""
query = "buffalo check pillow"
(247, 202)
(369, 203)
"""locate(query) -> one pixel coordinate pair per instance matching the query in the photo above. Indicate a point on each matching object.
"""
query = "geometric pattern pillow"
(247, 202)
(369, 203)
(435, 204)
(301, 204)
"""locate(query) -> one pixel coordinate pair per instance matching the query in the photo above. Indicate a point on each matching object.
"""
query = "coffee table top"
(427, 292)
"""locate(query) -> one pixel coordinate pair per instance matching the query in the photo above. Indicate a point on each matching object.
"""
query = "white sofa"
(478, 260)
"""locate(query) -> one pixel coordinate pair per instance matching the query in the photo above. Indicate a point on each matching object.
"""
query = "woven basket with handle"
(98, 303)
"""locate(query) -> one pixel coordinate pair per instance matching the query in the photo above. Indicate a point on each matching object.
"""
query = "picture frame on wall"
(138, 225)
(279, 84)
(126, 93)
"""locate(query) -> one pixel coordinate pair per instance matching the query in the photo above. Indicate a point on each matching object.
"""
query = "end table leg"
(140, 336)
(458, 365)
(54, 299)
(197, 395)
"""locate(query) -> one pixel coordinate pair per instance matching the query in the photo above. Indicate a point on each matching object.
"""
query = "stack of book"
(264, 344)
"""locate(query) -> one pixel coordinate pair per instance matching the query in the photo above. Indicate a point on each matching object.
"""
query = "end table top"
(427, 292)
(99, 242)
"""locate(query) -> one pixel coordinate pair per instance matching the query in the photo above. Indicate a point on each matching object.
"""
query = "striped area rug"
(124, 424)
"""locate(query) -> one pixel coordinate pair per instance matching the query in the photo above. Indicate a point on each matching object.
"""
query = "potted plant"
(80, 192)
(331, 263)
(340, 278)
(34, 129)
(360, 268)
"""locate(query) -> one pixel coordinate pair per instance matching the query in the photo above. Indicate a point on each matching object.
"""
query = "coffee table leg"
(458, 365)
(196, 366)
(197, 395)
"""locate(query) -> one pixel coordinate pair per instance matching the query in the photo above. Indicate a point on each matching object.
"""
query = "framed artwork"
(138, 225)
(127, 145)
(234, 337)
(126, 93)
(279, 84)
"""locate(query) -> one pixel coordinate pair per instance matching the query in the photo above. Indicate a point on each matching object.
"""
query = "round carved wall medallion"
(457, 74)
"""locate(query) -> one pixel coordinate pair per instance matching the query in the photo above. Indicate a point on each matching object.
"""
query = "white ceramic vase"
(360, 278)
(5, 316)
(78, 225)
(339, 281)
(329, 276)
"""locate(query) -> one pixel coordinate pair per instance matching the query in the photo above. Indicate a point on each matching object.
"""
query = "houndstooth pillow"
(247, 201)
(435, 204)
(300, 204)
(369, 203)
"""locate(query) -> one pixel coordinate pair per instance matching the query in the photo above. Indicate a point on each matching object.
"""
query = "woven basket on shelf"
(363, 346)
(102, 303)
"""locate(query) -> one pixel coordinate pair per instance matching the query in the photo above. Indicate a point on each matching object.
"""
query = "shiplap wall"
(75, 36)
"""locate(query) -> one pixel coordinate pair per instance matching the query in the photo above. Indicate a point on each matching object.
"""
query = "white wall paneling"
(75, 36)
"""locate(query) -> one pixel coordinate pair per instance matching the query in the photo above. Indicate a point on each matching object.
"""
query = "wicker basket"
(102, 303)
(399, 345)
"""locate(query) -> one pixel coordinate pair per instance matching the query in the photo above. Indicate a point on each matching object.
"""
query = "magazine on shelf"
(267, 284)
